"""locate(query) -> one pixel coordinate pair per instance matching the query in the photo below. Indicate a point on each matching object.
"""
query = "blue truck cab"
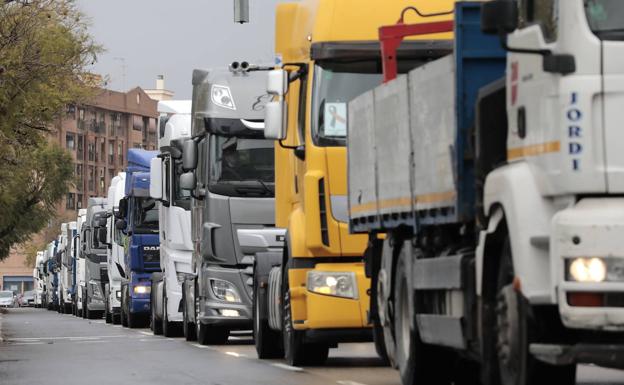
(138, 222)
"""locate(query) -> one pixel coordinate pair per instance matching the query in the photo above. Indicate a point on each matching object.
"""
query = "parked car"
(7, 298)
(27, 299)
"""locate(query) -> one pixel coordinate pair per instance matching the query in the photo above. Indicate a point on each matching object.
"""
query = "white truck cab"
(115, 251)
(176, 245)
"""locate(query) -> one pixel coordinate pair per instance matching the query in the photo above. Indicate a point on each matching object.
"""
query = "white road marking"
(28, 343)
(203, 346)
(147, 333)
(349, 383)
(287, 367)
(84, 338)
(234, 354)
(91, 342)
(27, 339)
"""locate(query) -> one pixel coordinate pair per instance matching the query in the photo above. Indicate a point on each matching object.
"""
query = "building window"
(103, 150)
(111, 152)
(102, 181)
(91, 151)
(91, 178)
(111, 173)
(137, 145)
(69, 141)
(79, 177)
(79, 201)
(80, 147)
(70, 204)
(120, 153)
(137, 123)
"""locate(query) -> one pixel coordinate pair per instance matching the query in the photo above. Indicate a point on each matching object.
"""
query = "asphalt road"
(45, 347)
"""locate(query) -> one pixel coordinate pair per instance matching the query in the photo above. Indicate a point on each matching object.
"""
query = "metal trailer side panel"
(433, 124)
(361, 171)
(393, 149)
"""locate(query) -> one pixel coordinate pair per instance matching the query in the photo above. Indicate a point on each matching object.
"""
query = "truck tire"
(169, 329)
(418, 363)
(296, 351)
(268, 342)
(155, 322)
(516, 327)
(188, 329)
(122, 309)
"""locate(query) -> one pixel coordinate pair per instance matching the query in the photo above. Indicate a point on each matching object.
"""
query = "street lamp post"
(241, 11)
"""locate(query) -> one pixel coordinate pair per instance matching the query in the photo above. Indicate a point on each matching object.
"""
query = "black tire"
(169, 329)
(188, 329)
(268, 342)
(123, 315)
(155, 322)
(84, 303)
(418, 363)
(296, 351)
(515, 319)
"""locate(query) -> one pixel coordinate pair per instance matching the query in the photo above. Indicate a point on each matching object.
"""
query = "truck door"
(606, 21)
(555, 123)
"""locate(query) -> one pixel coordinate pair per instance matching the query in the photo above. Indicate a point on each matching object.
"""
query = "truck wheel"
(296, 351)
(187, 327)
(211, 335)
(516, 328)
(84, 302)
(122, 309)
(268, 342)
(417, 362)
(169, 329)
(155, 322)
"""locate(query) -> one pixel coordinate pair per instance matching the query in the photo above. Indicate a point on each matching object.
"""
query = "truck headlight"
(118, 294)
(181, 276)
(587, 269)
(142, 289)
(224, 290)
(333, 283)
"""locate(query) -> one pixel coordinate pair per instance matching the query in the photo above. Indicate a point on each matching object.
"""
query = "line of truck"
(446, 186)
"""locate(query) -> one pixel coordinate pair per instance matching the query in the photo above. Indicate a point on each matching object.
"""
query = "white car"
(7, 298)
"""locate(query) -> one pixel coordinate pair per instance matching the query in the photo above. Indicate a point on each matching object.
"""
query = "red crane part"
(391, 36)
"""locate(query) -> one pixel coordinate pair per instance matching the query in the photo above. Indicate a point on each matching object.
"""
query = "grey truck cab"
(94, 253)
(232, 185)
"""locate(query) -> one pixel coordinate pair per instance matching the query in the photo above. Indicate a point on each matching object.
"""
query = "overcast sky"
(172, 37)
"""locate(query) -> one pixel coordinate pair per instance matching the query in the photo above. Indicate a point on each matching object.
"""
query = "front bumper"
(604, 355)
(214, 311)
(591, 228)
(318, 311)
(139, 305)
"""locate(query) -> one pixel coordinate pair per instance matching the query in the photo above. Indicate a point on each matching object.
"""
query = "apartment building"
(98, 135)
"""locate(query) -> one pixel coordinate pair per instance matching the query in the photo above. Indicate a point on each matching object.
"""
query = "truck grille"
(151, 255)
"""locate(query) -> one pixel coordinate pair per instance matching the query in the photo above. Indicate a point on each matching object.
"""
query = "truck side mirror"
(188, 181)
(276, 111)
(123, 208)
(120, 224)
(499, 17)
(156, 178)
(277, 82)
(189, 155)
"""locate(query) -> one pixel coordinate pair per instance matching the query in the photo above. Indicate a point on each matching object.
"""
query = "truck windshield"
(145, 216)
(335, 85)
(606, 18)
(241, 167)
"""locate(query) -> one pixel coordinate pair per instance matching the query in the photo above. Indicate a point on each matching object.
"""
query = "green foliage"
(44, 51)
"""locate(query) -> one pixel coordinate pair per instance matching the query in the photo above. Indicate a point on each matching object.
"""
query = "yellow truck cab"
(317, 294)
